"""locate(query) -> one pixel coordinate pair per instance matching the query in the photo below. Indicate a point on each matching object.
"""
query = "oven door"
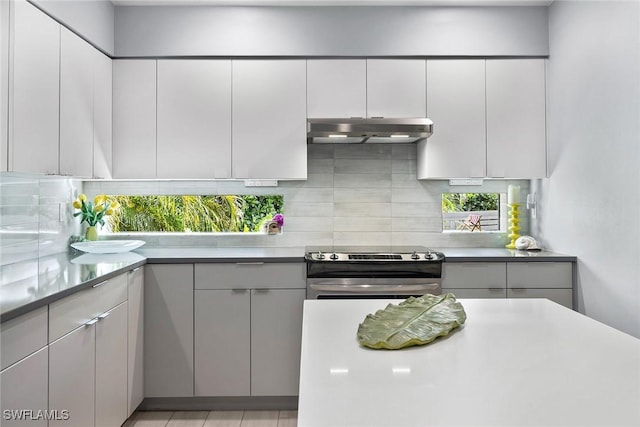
(368, 288)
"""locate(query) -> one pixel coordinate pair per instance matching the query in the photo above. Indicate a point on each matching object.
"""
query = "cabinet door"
(23, 386)
(396, 88)
(72, 377)
(561, 296)
(76, 105)
(336, 88)
(276, 334)
(135, 325)
(194, 119)
(134, 118)
(475, 275)
(222, 343)
(516, 118)
(477, 293)
(34, 93)
(102, 116)
(4, 83)
(269, 119)
(111, 367)
(456, 104)
(540, 275)
(168, 330)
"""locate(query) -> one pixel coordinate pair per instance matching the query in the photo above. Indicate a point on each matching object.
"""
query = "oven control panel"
(322, 256)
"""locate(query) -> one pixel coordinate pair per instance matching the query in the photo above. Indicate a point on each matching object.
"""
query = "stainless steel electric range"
(340, 272)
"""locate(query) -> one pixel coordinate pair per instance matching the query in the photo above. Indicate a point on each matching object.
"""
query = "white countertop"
(515, 362)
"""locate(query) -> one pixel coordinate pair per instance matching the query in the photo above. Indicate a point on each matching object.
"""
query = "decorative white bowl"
(108, 246)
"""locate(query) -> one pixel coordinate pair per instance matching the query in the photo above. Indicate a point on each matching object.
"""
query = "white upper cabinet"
(336, 88)
(194, 119)
(34, 94)
(102, 115)
(134, 118)
(269, 119)
(76, 105)
(456, 104)
(516, 118)
(396, 88)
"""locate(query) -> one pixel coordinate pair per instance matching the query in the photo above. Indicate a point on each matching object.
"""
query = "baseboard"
(245, 403)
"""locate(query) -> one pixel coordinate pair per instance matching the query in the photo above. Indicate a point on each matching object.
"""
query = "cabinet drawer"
(477, 293)
(474, 275)
(250, 275)
(22, 336)
(540, 275)
(70, 312)
(561, 296)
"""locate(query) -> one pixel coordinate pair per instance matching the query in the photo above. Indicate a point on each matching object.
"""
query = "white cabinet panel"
(72, 377)
(269, 119)
(478, 275)
(23, 386)
(396, 88)
(76, 105)
(540, 275)
(102, 116)
(111, 368)
(34, 91)
(336, 88)
(168, 330)
(134, 118)
(4, 84)
(276, 335)
(222, 343)
(22, 336)
(135, 336)
(194, 119)
(516, 118)
(561, 296)
(456, 104)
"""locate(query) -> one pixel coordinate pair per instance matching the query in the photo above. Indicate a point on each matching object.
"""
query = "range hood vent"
(376, 130)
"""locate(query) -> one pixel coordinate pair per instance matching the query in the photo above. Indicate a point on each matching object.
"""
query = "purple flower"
(279, 218)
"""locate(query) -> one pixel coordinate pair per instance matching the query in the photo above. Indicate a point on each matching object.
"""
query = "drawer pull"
(92, 322)
(103, 315)
(99, 284)
(134, 270)
(496, 289)
(250, 263)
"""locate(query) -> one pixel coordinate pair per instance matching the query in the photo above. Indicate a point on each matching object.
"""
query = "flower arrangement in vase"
(93, 213)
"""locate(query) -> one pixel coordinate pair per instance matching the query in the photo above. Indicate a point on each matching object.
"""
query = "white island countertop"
(515, 362)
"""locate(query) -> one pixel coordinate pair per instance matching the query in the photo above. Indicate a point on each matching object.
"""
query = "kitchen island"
(515, 362)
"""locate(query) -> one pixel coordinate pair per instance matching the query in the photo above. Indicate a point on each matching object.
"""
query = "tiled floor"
(213, 419)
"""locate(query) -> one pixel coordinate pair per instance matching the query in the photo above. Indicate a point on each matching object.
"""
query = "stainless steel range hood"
(376, 130)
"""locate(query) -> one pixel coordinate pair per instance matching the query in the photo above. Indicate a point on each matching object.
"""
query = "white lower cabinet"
(135, 339)
(168, 330)
(87, 372)
(551, 280)
(247, 339)
(23, 387)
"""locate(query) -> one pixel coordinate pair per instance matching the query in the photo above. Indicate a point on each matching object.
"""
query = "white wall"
(92, 19)
(590, 204)
(330, 31)
(4, 83)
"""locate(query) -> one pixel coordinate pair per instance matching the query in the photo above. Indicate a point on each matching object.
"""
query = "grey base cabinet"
(168, 330)
(248, 328)
(135, 339)
(23, 386)
(551, 280)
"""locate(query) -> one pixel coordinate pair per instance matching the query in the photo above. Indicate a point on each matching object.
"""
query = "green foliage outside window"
(469, 202)
(219, 213)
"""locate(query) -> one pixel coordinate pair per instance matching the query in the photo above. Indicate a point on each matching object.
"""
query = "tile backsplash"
(354, 195)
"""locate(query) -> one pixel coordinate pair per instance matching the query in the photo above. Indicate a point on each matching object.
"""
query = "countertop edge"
(543, 258)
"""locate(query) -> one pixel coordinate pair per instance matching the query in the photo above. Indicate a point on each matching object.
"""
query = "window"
(471, 212)
(194, 213)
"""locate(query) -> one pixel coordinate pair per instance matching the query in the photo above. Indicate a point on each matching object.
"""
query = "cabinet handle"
(496, 289)
(261, 291)
(239, 291)
(99, 284)
(250, 263)
(134, 270)
(103, 315)
(92, 322)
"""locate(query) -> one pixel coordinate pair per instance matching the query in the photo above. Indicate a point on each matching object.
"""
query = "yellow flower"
(100, 198)
(109, 212)
(77, 204)
(82, 197)
(98, 208)
(114, 205)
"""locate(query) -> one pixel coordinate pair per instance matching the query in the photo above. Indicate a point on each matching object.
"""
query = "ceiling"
(333, 2)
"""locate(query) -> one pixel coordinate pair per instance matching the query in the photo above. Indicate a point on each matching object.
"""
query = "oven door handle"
(423, 287)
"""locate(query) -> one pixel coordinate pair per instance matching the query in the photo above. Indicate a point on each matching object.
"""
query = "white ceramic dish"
(108, 246)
